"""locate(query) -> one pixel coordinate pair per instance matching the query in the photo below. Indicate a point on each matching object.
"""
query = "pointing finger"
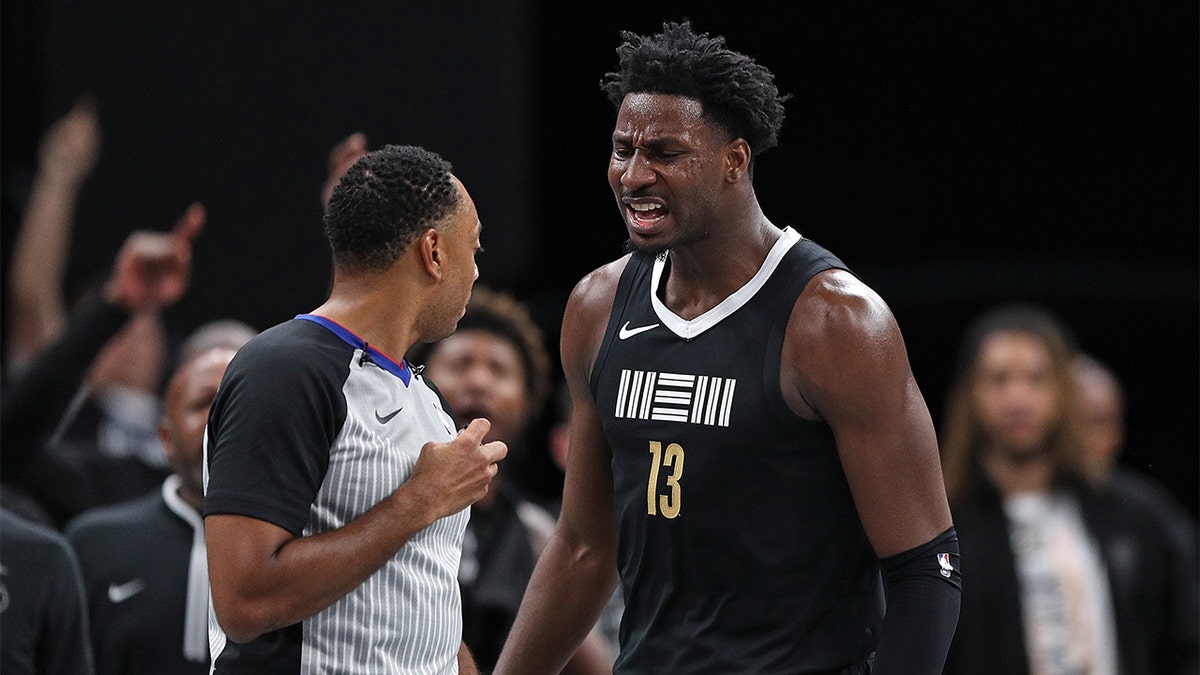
(192, 221)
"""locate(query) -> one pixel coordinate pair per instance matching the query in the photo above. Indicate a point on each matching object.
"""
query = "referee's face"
(458, 245)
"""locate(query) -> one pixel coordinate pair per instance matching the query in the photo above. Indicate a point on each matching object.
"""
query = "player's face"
(481, 375)
(189, 396)
(666, 170)
(1016, 394)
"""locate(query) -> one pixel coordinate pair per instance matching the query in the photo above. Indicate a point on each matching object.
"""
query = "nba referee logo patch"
(944, 563)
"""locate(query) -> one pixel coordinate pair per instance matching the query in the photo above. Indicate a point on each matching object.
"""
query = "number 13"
(673, 458)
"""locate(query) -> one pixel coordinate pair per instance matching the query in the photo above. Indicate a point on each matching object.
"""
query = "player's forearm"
(566, 594)
(593, 657)
(924, 587)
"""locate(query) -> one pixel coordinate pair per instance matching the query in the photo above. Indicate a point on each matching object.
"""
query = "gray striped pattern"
(407, 617)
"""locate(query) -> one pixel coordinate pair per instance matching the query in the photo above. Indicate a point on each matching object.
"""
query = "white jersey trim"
(690, 328)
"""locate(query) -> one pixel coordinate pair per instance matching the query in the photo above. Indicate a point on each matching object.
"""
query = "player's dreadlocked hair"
(384, 201)
(738, 94)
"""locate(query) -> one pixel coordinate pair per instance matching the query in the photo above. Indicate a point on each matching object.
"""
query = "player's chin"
(644, 246)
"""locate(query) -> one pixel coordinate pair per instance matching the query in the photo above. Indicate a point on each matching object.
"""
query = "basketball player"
(749, 451)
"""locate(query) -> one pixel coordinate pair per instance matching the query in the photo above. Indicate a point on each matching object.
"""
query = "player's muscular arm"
(576, 573)
(845, 362)
(264, 578)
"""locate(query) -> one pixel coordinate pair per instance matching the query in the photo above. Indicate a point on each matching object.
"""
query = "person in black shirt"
(43, 612)
(143, 560)
(749, 451)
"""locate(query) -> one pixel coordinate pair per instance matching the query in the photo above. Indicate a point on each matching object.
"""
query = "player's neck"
(701, 275)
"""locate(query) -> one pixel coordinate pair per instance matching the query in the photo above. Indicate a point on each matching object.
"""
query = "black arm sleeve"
(924, 587)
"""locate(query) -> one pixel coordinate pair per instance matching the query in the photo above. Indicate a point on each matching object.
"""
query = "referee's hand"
(449, 477)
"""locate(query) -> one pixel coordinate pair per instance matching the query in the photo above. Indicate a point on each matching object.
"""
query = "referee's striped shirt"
(308, 434)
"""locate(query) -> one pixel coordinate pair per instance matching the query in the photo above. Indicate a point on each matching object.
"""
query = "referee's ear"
(428, 252)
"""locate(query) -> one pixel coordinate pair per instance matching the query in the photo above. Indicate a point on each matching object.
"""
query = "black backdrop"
(954, 156)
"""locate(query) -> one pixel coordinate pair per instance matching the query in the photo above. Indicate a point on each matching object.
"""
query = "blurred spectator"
(495, 366)
(558, 436)
(1065, 577)
(1103, 401)
(43, 617)
(150, 272)
(114, 413)
(143, 561)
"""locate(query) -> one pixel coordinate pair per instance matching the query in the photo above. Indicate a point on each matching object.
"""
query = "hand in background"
(152, 268)
(344, 154)
(70, 148)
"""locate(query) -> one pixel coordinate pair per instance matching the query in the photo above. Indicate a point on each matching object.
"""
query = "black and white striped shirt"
(310, 429)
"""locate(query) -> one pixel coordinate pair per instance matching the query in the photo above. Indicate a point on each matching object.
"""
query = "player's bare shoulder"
(841, 334)
(838, 305)
(596, 290)
(587, 312)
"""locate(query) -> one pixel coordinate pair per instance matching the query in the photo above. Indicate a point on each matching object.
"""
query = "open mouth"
(645, 216)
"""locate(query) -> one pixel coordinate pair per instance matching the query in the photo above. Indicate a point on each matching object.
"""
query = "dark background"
(954, 156)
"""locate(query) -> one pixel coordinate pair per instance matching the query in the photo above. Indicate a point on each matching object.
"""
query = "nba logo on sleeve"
(944, 563)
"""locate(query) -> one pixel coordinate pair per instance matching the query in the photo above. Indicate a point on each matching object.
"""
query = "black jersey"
(43, 611)
(740, 549)
(146, 582)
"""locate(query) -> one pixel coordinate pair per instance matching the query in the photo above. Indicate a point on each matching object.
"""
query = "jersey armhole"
(635, 268)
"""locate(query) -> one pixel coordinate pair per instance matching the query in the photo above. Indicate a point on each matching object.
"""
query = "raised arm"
(151, 271)
(341, 156)
(264, 578)
(577, 572)
(845, 362)
(66, 157)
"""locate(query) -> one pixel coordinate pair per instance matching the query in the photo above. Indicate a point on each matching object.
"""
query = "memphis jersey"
(740, 549)
(309, 430)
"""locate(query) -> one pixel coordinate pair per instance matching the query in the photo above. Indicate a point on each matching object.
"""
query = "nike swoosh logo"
(384, 419)
(626, 332)
(118, 593)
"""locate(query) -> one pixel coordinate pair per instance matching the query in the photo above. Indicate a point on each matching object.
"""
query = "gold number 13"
(672, 458)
